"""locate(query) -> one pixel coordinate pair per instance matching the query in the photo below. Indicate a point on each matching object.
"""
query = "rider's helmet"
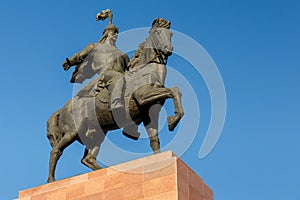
(110, 30)
(111, 27)
(161, 23)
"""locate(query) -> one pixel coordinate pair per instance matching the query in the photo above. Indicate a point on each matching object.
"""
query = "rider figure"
(110, 77)
(109, 74)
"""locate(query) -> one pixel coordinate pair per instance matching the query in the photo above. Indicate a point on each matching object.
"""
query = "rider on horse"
(105, 59)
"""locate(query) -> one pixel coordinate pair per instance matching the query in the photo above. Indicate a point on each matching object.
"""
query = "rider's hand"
(65, 65)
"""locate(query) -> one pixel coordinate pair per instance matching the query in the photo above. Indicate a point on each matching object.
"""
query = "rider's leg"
(117, 94)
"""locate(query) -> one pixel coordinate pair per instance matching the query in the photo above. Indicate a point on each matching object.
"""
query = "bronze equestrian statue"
(89, 115)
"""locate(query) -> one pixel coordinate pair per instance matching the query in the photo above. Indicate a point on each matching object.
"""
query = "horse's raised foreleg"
(159, 94)
(173, 120)
(152, 95)
(57, 151)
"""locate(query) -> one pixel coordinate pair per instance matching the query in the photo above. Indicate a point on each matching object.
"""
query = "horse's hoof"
(91, 163)
(157, 151)
(50, 180)
(172, 122)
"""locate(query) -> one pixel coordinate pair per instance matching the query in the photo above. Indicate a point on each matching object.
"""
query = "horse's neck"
(148, 53)
(89, 89)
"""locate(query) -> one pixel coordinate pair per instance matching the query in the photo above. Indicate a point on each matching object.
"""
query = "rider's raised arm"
(79, 57)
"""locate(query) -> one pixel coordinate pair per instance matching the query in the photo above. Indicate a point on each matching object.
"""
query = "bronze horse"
(149, 74)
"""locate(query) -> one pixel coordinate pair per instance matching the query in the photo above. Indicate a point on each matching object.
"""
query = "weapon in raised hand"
(104, 14)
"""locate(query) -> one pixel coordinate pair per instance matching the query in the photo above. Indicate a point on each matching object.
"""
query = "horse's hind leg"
(53, 132)
(153, 96)
(57, 151)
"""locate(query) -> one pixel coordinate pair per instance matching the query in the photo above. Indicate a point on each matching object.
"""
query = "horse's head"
(160, 35)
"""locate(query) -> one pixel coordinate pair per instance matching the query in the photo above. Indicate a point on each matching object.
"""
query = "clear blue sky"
(255, 44)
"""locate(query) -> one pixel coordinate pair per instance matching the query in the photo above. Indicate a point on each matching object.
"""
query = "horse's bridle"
(158, 52)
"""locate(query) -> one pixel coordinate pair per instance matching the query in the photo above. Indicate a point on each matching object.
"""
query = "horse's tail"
(53, 132)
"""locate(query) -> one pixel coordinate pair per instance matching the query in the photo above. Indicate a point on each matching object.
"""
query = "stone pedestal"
(162, 176)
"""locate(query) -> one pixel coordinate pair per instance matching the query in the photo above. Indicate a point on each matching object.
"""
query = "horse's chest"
(150, 73)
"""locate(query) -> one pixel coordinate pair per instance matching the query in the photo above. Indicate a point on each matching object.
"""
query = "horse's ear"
(155, 21)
